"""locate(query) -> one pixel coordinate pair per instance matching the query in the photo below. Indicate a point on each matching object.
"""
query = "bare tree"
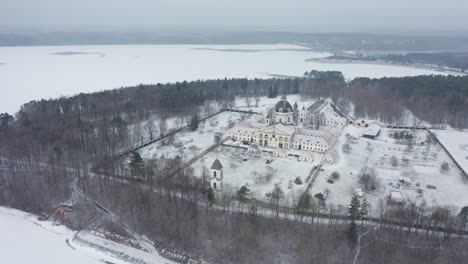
(368, 178)
(150, 129)
(276, 196)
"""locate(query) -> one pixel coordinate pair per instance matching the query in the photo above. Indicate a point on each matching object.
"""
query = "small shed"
(372, 131)
(396, 197)
(405, 181)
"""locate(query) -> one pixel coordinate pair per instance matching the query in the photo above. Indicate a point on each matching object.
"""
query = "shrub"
(298, 181)
(335, 175)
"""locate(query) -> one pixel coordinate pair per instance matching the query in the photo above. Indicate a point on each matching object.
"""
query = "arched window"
(214, 173)
(214, 185)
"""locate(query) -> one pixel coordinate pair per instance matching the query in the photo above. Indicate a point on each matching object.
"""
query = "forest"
(50, 148)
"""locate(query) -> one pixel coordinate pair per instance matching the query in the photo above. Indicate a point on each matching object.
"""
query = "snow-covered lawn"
(26, 240)
(456, 142)
(187, 144)
(423, 168)
(253, 172)
(32, 73)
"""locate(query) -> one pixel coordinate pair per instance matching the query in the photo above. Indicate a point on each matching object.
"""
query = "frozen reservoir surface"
(33, 73)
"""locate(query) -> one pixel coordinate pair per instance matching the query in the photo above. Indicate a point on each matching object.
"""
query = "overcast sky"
(383, 16)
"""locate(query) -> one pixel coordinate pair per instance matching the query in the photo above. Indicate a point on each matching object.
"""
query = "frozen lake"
(32, 73)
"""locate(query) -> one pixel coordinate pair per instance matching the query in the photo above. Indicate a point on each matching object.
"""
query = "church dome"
(283, 106)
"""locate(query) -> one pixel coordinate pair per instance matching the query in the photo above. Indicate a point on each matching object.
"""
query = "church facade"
(285, 128)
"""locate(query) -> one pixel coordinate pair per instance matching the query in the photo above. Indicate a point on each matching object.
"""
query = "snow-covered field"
(32, 73)
(456, 142)
(252, 172)
(423, 168)
(26, 240)
(187, 144)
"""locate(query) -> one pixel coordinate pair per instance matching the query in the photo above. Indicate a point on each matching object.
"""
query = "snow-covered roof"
(284, 128)
(254, 146)
(244, 128)
(316, 106)
(396, 196)
(307, 138)
(456, 142)
(372, 130)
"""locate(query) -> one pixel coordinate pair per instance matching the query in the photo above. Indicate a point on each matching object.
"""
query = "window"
(214, 174)
(214, 185)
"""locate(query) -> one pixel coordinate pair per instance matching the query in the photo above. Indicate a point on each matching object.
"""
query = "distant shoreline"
(256, 50)
(388, 63)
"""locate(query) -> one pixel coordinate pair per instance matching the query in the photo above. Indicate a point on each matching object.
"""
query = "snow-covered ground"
(32, 73)
(423, 168)
(26, 240)
(252, 172)
(187, 144)
(456, 142)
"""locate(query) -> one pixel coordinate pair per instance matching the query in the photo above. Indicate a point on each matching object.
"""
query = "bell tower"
(216, 176)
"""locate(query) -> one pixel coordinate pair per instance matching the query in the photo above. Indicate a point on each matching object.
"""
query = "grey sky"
(384, 16)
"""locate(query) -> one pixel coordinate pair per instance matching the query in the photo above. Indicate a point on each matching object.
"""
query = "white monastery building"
(286, 128)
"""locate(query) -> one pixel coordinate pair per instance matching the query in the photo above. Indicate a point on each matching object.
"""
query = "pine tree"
(364, 209)
(304, 203)
(242, 196)
(136, 164)
(194, 122)
(354, 208)
(321, 199)
(354, 213)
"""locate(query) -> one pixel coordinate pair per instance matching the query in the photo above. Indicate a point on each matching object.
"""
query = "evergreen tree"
(242, 196)
(354, 208)
(321, 199)
(364, 209)
(304, 203)
(194, 122)
(136, 164)
(354, 213)
(464, 216)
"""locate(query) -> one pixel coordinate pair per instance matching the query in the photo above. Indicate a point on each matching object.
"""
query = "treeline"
(179, 214)
(439, 100)
(457, 60)
(88, 128)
